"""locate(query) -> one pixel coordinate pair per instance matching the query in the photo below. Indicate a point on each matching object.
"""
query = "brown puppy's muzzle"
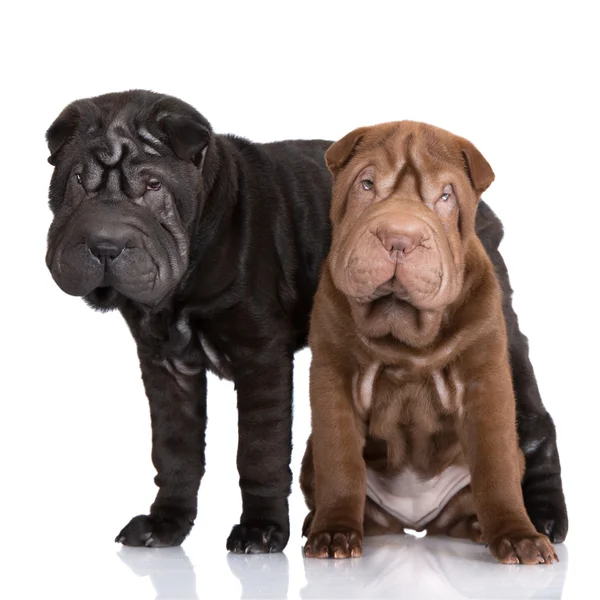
(409, 261)
(399, 250)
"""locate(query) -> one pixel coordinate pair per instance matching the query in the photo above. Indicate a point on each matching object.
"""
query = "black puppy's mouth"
(103, 298)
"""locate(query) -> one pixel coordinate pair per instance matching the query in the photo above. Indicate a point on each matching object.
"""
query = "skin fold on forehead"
(434, 154)
(431, 152)
(160, 125)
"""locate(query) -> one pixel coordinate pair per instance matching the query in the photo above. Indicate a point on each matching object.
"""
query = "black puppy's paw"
(154, 531)
(257, 538)
(549, 520)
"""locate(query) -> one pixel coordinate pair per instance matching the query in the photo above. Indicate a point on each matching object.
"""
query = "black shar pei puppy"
(210, 247)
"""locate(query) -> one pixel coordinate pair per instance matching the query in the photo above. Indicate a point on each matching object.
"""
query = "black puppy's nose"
(105, 248)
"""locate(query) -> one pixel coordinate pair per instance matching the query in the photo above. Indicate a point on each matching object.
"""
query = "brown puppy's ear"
(61, 131)
(479, 170)
(340, 152)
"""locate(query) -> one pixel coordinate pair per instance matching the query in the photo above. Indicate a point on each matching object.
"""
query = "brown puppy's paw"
(525, 549)
(334, 544)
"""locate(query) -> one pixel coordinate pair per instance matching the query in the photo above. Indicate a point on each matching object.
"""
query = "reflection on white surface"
(409, 567)
(391, 567)
(170, 570)
(263, 576)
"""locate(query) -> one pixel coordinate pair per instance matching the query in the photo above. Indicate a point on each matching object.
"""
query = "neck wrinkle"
(220, 184)
(407, 325)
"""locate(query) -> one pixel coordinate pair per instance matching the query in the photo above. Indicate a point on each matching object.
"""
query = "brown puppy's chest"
(413, 457)
(411, 417)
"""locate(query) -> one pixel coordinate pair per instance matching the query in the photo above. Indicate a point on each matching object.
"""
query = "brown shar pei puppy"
(413, 411)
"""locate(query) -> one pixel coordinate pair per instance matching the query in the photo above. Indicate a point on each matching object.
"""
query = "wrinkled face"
(124, 194)
(403, 209)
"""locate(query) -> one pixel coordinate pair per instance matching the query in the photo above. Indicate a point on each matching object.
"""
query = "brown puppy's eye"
(446, 193)
(154, 186)
(78, 177)
(367, 184)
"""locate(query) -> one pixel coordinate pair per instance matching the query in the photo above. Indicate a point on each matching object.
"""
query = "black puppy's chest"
(198, 350)
(216, 361)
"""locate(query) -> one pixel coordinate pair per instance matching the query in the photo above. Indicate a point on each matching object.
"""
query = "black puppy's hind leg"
(542, 483)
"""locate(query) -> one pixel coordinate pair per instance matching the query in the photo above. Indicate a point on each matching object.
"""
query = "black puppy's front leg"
(178, 415)
(542, 483)
(264, 390)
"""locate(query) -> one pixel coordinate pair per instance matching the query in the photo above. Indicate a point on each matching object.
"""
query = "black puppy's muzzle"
(103, 249)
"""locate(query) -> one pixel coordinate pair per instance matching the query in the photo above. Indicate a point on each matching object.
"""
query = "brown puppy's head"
(404, 202)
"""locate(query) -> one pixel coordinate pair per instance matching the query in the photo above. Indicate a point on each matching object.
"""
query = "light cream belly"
(413, 501)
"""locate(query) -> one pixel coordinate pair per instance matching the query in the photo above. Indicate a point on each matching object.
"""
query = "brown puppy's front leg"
(489, 439)
(339, 468)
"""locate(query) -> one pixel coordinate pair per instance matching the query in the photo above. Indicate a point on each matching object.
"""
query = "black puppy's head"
(124, 193)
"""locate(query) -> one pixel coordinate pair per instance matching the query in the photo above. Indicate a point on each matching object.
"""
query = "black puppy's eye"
(78, 177)
(367, 184)
(154, 186)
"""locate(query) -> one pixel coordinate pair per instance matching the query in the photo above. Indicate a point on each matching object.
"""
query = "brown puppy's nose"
(396, 241)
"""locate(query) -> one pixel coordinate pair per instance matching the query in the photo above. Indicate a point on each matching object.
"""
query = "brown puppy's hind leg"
(307, 485)
(458, 519)
(378, 521)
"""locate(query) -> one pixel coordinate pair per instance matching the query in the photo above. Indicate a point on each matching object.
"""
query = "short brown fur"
(402, 342)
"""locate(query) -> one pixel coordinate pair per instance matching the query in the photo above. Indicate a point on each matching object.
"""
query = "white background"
(517, 79)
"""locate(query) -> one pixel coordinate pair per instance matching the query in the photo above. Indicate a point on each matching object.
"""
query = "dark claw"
(154, 531)
(256, 539)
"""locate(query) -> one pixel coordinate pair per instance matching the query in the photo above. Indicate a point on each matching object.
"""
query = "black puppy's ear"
(478, 169)
(339, 153)
(187, 137)
(61, 131)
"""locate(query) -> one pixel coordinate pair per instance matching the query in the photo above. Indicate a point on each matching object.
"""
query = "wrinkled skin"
(117, 228)
(398, 247)
(410, 371)
(213, 270)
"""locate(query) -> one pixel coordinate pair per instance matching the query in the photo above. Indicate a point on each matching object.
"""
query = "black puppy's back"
(284, 191)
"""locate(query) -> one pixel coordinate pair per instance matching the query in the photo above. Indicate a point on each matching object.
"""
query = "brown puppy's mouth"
(376, 295)
(394, 290)
(408, 279)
